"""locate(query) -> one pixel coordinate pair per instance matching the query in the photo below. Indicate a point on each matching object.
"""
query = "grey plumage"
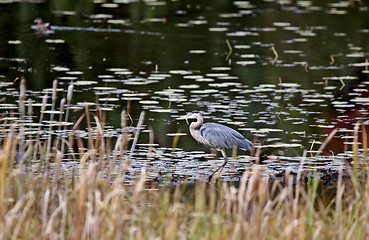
(221, 136)
(216, 135)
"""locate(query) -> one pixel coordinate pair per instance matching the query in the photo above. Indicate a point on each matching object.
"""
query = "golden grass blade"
(365, 143)
(69, 100)
(37, 143)
(326, 141)
(355, 149)
(138, 129)
(53, 103)
(4, 154)
(151, 143)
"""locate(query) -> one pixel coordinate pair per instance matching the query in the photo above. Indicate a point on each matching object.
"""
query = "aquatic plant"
(41, 197)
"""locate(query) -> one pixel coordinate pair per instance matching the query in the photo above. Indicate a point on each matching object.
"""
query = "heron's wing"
(221, 136)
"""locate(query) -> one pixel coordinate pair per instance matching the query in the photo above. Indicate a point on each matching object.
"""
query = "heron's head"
(191, 115)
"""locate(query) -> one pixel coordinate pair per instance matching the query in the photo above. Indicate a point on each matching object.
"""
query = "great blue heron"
(217, 136)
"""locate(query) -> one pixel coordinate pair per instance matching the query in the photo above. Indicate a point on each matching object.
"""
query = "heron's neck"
(197, 124)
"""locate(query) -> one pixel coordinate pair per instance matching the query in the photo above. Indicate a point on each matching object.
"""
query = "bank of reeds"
(41, 198)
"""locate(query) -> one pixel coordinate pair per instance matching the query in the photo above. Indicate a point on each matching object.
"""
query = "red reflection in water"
(346, 120)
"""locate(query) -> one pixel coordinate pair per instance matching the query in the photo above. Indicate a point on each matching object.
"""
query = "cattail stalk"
(3, 167)
(22, 112)
(138, 129)
(49, 139)
(62, 106)
(53, 103)
(355, 150)
(38, 143)
(69, 100)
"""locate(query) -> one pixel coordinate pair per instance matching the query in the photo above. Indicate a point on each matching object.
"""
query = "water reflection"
(297, 70)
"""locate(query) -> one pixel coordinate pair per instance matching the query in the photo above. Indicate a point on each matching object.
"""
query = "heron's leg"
(221, 167)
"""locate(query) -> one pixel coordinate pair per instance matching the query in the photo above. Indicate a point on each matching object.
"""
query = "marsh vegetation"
(42, 197)
(89, 144)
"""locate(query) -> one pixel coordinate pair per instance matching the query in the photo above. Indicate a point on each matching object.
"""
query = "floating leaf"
(174, 99)
(289, 85)
(162, 110)
(86, 103)
(14, 42)
(123, 72)
(362, 64)
(84, 83)
(217, 74)
(60, 69)
(281, 24)
(300, 40)
(190, 86)
(266, 130)
(56, 41)
(357, 54)
(313, 100)
(149, 102)
(101, 16)
(307, 33)
(111, 99)
(339, 4)
(52, 112)
(180, 72)
(360, 100)
(293, 51)
(104, 88)
(248, 56)
(204, 80)
(242, 46)
(323, 126)
(74, 73)
(335, 11)
(236, 123)
(197, 51)
(176, 134)
(67, 78)
(225, 84)
(8, 106)
(139, 81)
(168, 92)
(219, 106)
(218, 29)
(107, 109)
(284, 145)
(105, 76)
(244, 63)
(204, 91)
(117, 69)
(220, 68)
(109, 5)
(192, 76)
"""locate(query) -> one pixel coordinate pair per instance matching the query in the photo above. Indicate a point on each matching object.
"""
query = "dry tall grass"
(90, 207)
(40, 198)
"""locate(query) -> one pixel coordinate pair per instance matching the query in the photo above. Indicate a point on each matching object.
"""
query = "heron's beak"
(182, 118)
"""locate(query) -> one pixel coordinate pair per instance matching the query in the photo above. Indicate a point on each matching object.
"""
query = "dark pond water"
(284, 73)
